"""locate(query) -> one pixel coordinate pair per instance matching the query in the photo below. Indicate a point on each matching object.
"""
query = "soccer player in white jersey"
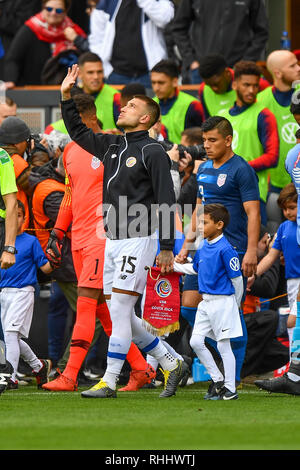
(136, 181)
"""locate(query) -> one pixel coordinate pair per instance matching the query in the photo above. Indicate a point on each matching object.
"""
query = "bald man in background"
(285, 70)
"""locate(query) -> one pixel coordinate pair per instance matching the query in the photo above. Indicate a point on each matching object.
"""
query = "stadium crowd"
(229, 151)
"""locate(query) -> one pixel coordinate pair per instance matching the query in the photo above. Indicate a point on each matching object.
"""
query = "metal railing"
(38, 106)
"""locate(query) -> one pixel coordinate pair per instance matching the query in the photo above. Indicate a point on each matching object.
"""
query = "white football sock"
(205, 357)
(116, 355)
(11, 339)
(152, 361)
(163, 357)
(28, 355)
(120, 308)
(228, 359)
(290, 335)
(172, 350)
(2, 353)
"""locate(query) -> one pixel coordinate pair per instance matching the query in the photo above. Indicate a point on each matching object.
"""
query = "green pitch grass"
(35, 419)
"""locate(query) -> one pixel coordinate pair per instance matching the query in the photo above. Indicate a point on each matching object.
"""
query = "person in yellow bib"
(255, 134)
(285, 70)
(179, 110)
(215, 92)
(8, 211)
(91, 81)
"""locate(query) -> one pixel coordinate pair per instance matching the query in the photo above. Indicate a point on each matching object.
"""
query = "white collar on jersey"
(215, 240)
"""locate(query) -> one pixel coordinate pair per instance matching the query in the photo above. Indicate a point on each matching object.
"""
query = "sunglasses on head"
(58, 11)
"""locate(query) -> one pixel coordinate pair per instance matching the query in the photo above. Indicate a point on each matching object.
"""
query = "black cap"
(13, 131)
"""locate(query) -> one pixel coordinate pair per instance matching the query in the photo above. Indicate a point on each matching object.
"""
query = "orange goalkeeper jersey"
(83, 196)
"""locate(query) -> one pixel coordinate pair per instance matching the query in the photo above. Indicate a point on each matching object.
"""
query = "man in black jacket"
(137, 183)
(236, 29)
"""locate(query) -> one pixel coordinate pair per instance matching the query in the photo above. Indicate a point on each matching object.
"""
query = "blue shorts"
(190, 282)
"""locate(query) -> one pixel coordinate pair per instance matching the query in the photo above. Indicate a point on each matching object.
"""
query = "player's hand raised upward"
(69, 81)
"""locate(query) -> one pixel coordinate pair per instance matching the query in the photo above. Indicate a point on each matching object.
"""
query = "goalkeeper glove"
(53, 250)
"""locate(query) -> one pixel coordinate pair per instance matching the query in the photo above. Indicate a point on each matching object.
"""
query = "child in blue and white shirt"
(221, 285)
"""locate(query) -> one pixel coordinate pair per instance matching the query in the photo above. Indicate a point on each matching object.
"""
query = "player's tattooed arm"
(165, 261)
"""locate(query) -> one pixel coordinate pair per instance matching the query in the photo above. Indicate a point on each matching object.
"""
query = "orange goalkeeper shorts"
(88, 264)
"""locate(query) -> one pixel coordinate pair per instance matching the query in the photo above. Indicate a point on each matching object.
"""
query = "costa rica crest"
(163, 287)
(130, 162)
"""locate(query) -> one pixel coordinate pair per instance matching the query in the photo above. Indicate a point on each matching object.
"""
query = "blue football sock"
(189, 313)
(239, 346)
(295, 348)
(294, 369)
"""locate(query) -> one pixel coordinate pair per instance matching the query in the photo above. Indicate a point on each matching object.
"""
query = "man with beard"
(255, 135)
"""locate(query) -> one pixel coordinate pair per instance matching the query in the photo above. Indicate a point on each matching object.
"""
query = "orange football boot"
(61, 384)
(138, 378)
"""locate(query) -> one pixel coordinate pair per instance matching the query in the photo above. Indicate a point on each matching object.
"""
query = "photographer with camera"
(191, 140)
(15, 138)
(183, 157)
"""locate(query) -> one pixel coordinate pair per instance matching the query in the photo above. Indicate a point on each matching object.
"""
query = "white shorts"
(125, 261)
(218, 317)
(17, 309)
(292, 292)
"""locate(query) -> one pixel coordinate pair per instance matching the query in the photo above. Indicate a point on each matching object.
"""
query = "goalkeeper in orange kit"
(82, 207)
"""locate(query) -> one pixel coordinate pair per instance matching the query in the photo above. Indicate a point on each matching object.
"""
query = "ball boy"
(221, 285)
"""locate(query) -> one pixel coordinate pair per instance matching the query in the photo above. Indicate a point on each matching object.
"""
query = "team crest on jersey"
(95, 163)
(130, 162)
(163, 288)
(221, 179)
